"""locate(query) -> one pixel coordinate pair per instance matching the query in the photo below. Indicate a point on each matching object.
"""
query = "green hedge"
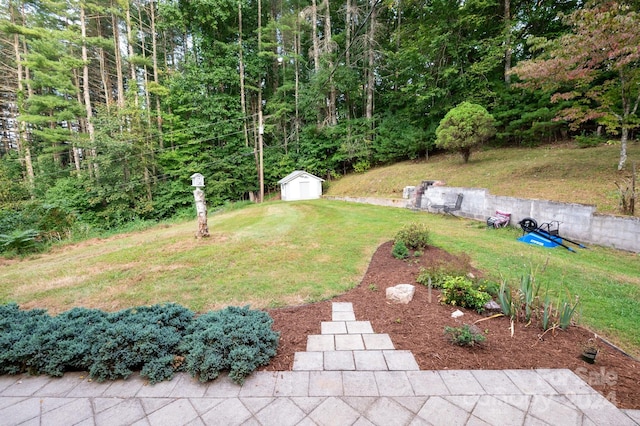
(156, 340)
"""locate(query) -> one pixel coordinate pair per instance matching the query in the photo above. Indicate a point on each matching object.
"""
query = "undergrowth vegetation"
(156, 340)
(527, 303)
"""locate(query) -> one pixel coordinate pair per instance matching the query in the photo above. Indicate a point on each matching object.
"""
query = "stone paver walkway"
(348, 376)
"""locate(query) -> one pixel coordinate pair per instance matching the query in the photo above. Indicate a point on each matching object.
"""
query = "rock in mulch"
(402, 293)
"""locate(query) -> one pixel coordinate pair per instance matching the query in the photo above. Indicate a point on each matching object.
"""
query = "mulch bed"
(419, 327)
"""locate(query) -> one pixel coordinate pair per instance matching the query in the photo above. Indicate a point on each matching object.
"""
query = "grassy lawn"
(279, 253)
(555, 172)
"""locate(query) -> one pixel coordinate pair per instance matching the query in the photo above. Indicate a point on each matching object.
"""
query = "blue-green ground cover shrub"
(234, 339)
(147, 339)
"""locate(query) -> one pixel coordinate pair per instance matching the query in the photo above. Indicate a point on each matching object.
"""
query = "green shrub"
(148, 339)
(460, 291)
(438, 277)
(589, 141)
(18, 241)
(234, 339)
(414, 235)
(144, 339)
(487, 286)
(400, 250)
(63, 342)
(467, 335)
(17, 329)
(464, 128)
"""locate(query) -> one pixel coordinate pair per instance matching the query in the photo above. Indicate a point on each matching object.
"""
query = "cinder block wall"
(578, 222)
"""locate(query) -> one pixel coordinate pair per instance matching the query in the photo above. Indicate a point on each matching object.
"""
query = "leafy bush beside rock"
(156, 340)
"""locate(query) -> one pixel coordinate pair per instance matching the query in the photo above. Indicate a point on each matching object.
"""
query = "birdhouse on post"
(197, 180)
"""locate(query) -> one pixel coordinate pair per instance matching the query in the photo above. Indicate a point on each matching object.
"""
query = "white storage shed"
(300, 185)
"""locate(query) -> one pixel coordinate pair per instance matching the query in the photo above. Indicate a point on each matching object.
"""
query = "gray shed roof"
(294, 174)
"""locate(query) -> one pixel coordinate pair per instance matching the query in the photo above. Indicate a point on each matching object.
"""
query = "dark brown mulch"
(419, 327)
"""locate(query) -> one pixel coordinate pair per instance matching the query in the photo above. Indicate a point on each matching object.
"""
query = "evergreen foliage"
(400, 250)
(151, 339)
(120, 146)
(464, 128)
(234, 339)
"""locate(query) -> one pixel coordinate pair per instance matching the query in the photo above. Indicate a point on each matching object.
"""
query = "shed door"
(305, 190)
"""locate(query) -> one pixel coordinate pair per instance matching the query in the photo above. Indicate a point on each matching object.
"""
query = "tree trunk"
(86, 90)
(133, 83)
(154, 47)
(297, 81)
(371, 63)
(508, 52)
(260, 123)
(623, 147)
(118, 57)
(243, 96)
(104, 75)
(314, 36)
(328, 48)
(24, 149)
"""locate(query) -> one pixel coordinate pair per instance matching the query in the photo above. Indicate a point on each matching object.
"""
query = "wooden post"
(197, 180)
(201, 209)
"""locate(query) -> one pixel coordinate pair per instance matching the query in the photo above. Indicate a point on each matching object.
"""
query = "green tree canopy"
(465, 127)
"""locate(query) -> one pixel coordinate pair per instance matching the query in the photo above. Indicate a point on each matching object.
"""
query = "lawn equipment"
(500, 220)
(545, 235)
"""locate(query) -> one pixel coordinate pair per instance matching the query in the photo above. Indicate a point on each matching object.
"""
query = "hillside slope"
(553, 172)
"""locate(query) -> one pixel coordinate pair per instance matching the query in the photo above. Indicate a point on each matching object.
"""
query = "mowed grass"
(555, 172)
(279, 254)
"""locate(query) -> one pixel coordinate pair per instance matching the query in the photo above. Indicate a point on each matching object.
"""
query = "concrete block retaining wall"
(578, 222)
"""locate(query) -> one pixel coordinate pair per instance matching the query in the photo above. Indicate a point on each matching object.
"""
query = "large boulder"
(402, 293)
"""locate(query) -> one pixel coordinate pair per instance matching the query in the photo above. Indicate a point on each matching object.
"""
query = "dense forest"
(109, 106)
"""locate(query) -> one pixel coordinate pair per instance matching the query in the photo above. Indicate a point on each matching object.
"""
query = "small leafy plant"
(460, 291)
(415, 236)
(400, 250)
(467, 335)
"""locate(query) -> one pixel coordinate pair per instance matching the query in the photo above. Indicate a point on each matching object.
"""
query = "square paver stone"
(426, 383)
(370, 361)
(401, 360)
(349, 342)
(292, 383)
(496, 382)
(259, 383)
(359, 327)
(461, 382)
(359, 383)
(530, 382)
(320, 342)
(333, 327)
(308, 361)
(393, 383)
(342, 307)
(377, 341)
(339, 361)
(343, 316)
(325, 383)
